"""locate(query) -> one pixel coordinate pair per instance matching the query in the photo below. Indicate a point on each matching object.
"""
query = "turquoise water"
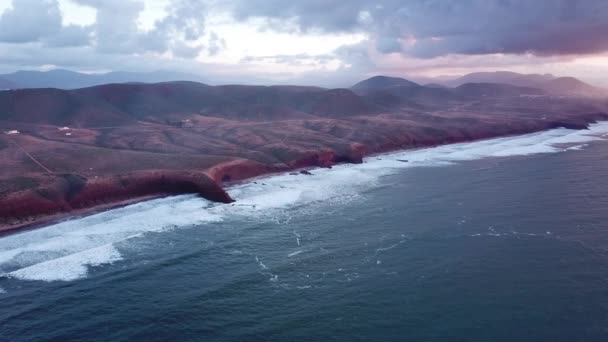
(499, 240)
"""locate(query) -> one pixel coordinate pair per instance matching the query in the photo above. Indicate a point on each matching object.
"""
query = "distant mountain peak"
(506, 77)
(382, 83)
(573, 86)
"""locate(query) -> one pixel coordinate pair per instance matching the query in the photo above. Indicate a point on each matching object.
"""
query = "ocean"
(497, 240)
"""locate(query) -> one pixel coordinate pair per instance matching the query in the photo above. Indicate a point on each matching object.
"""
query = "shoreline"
(74, 214)
(217, 174)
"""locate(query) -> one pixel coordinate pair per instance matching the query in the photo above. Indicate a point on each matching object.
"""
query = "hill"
(381, 83)
(473, 90)
(573, 86)
(6, 84)
(568, 86)
(505, 77)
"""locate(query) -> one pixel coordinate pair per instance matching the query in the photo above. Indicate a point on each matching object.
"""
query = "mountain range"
(547, 82)
(66, 79)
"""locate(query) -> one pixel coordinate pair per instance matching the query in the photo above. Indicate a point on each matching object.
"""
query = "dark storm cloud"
(431, 28)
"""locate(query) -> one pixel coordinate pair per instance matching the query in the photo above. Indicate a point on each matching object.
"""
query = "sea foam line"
(65, 251)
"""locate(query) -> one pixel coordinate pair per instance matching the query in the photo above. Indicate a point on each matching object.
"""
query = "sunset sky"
(323, 42)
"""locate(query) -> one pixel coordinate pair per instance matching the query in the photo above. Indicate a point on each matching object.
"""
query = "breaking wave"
(66, 251)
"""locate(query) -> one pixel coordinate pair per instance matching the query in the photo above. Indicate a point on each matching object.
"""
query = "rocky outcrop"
(71, 192)
(241, 169)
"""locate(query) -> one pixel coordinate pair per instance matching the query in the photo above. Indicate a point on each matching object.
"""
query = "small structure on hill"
(12, 132)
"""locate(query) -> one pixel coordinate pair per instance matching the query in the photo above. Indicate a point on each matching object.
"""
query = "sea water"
(499, 239)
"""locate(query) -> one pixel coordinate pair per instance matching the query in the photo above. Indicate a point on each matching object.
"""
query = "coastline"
(74, 214)
(227, 174)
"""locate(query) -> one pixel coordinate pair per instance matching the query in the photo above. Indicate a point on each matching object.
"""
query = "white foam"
(260, 263)
(294, 253)
(70, 267)
(298, 236)
(2, 291)
(65, 251)
(345, 182)
(577, 147)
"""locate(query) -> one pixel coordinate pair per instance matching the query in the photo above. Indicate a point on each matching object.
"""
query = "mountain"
(66, 79)
(441, 79)
(552, 85)
(118, 104)
(386, 92)
(435, 85)
(573, 86)
(381, 83)
(474, 90)
(6, 84)
(172, 102)
(506, 77)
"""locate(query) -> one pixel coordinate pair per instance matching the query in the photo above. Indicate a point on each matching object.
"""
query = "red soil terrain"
(96, 147)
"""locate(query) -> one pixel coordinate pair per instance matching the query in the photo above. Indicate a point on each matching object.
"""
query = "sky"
(312, 42)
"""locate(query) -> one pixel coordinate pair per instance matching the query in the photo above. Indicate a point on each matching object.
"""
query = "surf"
(67, 251)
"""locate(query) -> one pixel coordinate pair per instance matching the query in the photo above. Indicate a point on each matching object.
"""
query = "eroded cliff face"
(105, 145)
(68, 192)
(241, 169)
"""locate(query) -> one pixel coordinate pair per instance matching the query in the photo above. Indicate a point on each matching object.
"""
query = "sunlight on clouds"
(284, 39)
(153, 11)
(75, 14)
(4, 5)
(248, 40)
(593, 61)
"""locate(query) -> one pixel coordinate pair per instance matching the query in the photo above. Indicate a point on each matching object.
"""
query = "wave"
(66, 251)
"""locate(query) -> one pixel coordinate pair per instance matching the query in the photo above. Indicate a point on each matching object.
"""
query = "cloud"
(183, 50)
(388, 45)
(216, 44)
(186, 19)
(30, 20)
(297, 59)
(441, 27)
(71, 35)
(324, 15)
(394, 37)
(116, 29)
